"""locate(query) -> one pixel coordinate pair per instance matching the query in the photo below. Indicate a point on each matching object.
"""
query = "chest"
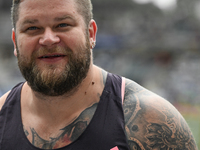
(53, 136)
(102, 129)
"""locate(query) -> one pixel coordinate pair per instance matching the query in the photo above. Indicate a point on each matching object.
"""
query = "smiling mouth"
(51, 56)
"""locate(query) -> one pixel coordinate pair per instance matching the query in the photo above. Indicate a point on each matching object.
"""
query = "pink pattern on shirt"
(115, 148)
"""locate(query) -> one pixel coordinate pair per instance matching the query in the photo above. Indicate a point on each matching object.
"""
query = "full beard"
(53, 80)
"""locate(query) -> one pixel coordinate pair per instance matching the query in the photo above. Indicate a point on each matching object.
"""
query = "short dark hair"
(84, 8)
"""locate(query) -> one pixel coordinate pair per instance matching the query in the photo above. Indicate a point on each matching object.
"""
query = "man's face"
(52, 45)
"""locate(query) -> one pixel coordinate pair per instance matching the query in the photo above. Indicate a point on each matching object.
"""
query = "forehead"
(47, 8)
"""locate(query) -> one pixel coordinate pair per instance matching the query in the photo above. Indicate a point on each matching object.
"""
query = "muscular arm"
(153, 123)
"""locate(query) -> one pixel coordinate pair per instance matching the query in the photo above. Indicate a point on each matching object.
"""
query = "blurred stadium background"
(153, 42)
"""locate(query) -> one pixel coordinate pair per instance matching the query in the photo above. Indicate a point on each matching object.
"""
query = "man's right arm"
(3, 99)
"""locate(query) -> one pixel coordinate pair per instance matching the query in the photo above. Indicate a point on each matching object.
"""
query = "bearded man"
(67, 102)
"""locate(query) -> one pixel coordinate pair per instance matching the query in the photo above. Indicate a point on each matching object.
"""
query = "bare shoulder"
(3, 99)
(151, 122)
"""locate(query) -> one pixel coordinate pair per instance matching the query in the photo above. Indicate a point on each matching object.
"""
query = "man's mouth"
(51, 56)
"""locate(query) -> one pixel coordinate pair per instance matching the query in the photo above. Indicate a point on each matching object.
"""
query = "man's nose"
(49, 38)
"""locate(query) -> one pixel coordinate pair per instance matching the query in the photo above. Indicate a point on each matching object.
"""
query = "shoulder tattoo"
(152, 123)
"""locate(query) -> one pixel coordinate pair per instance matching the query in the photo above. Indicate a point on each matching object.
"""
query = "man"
(67, 102)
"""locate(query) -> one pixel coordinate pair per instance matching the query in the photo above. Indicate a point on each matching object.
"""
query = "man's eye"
(63, 25)
(32, 28)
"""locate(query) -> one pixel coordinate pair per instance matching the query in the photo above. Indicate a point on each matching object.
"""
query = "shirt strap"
(123, 89)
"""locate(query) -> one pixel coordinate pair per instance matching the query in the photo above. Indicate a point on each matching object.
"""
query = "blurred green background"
(153, 42)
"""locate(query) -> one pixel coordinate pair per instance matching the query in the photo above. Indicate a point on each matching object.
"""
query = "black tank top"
(106, 130)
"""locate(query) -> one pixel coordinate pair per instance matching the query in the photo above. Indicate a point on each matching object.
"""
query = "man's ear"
(14, 42)
(92, 33)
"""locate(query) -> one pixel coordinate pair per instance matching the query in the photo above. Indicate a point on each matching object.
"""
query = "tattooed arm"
(153, 123)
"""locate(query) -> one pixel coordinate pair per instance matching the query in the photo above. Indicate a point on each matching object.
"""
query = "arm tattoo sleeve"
(153, 123)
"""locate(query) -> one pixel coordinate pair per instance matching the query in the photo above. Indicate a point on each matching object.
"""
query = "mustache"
(54, 50)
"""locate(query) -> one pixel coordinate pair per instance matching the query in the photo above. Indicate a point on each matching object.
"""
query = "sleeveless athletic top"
(106, 130)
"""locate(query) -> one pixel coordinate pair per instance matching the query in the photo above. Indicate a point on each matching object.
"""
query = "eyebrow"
(57, 19)
(64, 18)
(28, 21)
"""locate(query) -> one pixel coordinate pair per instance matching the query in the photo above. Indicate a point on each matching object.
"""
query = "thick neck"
(66, 106)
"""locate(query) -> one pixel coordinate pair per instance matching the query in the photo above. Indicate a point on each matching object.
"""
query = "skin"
(162, 128)
(151, 123)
